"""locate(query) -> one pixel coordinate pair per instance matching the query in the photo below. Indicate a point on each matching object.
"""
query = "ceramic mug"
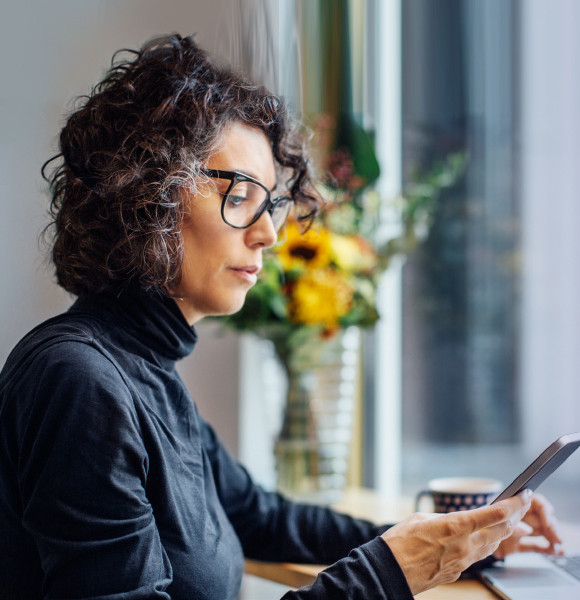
(451, 494)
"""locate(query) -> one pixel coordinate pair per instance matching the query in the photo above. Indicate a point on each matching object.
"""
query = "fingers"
(510, 510)
(513, 542)
(539, 548)
(542, 520)
(536, 533)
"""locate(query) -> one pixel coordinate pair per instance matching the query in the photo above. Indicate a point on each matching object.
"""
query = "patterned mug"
(450, 494)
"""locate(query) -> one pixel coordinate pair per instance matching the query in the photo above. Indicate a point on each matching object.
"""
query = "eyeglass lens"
(246, 200)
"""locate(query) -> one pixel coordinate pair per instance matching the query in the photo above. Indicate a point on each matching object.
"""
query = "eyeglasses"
(246, 200)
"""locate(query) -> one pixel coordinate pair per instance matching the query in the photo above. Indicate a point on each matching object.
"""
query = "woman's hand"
(539, 522)
(436, 548)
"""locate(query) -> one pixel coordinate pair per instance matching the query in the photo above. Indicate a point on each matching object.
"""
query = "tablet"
(550, 459)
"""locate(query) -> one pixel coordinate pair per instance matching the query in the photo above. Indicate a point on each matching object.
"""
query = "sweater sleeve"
(273, 528)
(370, 571)
(82, 470)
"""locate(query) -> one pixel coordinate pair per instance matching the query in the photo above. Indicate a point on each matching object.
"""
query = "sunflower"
(304, 250)
(353, 253)
(321, 297)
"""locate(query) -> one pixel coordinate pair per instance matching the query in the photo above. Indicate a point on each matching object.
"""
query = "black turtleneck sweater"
(113, 487)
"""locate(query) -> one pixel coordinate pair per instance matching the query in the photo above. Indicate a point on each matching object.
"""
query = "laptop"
(531, 576)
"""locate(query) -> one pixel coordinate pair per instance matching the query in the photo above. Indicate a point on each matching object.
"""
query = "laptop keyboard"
(570, 564)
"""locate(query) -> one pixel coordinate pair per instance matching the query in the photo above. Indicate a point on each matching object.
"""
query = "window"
(487, 315)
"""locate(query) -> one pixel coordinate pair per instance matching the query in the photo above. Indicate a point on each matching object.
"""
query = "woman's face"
(221, 263)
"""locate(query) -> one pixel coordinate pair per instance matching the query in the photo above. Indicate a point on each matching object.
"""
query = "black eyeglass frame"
(268, 205)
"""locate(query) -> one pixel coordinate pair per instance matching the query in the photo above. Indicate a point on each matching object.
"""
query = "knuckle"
(418, 519)
(452, 528)
(452, 576)
(420, 516)
(508, 528)
(469, 560)
(500, 513)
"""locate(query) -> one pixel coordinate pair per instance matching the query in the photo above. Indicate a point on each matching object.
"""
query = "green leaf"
(361, 146)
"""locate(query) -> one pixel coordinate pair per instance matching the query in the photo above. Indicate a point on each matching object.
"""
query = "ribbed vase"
(313, 446)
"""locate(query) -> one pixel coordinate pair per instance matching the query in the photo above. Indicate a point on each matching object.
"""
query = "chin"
(231, 309)
(235, 309)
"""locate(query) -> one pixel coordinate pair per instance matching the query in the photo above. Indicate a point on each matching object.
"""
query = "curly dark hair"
(139, 138)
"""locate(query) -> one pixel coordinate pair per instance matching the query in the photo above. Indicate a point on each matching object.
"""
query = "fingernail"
(527, 494)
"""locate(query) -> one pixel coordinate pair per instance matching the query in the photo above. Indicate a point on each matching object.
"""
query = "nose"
(262, 232)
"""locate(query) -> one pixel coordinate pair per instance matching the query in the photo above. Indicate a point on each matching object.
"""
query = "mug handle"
(420, 496)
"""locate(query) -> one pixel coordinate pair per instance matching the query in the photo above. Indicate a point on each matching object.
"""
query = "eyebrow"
(241, 172)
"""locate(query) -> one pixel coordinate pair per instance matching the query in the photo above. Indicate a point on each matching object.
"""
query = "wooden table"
(366, 504)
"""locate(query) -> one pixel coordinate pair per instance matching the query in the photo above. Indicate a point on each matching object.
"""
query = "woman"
(173, 178)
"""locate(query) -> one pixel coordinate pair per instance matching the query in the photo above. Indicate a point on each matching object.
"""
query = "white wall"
(550, 151)
(50, 51)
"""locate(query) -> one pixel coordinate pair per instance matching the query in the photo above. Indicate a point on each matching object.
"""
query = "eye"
(236, 200)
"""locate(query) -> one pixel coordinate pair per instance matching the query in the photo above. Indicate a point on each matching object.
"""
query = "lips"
(249, 273)
(252, 270)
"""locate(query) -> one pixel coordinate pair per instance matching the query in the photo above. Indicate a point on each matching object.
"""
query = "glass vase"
(312, 449)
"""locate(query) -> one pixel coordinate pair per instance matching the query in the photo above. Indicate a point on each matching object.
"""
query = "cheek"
(199, 267)
(200, 245)
(204, 261)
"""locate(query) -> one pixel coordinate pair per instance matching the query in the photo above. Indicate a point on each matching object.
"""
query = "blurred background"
(472, 368)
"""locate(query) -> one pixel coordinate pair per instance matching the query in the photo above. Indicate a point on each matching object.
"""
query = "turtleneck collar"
(151, 317)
